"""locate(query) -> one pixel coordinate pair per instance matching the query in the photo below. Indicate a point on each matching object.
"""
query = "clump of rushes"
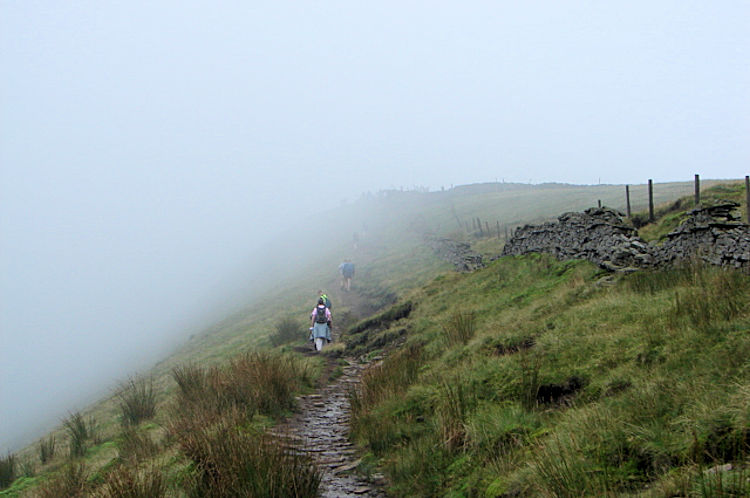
(28, 468)
(287, 330)
(530, 364)
(136, 446)
(137, 401)
(124, 482)
(459, 328)
(238, 386)
(452, 412)
(78, 433)
(562, 469)
(47, 449)
(208, 424)
(71, 482)
(380, 383)
(393, 376)
(229, 460)
(715, 296)
(7, 470)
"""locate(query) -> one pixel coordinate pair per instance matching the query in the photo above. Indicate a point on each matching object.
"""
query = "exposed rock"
(597, 234)
(459, 254)
(719, 468)
(712, 234)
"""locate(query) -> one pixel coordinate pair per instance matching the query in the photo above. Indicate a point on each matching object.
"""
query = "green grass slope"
(535, 377)
(509, 328)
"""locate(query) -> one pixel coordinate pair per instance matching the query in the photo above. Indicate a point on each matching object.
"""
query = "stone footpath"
(321, 427)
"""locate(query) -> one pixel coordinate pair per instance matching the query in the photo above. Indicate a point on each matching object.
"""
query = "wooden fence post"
(479, 224)
(627, 200)
(697, 190)
(498, 229)
(487, 225)
(650, 200)
(599, 202)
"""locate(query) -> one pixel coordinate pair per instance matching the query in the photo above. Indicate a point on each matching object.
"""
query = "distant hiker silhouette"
(347, 273)
(326, 299)
(320, 332)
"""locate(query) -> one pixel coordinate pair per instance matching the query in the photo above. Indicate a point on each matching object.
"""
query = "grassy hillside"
(540, 377)
(206, 379)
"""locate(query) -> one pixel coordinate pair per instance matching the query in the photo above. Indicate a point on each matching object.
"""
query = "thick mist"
(148, 151)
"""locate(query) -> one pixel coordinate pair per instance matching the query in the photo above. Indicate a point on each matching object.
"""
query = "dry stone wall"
(713, 234)
(459, 254)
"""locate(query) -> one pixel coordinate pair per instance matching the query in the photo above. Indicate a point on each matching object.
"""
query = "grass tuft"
(229, 460)
(124, 482)
(47, 449)
(71, 482)
(137, 401)
(252, 383)
(78, 433)
(135, 446)
(387, 379)
(287, 330)
(7, 470)
(452, 414)
(459, 328)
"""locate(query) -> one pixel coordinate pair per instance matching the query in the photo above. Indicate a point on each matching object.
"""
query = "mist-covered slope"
(391, 259)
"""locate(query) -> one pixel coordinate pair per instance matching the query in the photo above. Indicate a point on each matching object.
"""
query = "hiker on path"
(347, 272)
(320, 332)
(326, 300)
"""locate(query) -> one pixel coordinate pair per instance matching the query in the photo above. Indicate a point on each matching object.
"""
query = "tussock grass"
(211, 424)
(530, 364)
(716, 297)
(137, 401)
(562, 469)
(126, 482)
(389, 378)
(287, 330)
(455, 405)
(47, 448)
(79, 434)
(459, 328)
(496, 430)
(379, 383)
(568, 388)
(72, 481)
(230, 460)
(135, 445)
(7, 470)
(714, 483)
(253, 383)
(418, 469)
(28, 468)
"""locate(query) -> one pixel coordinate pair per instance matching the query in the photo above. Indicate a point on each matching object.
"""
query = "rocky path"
(321, 427)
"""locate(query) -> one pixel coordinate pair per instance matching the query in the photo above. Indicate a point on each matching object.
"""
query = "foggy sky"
(146, 148)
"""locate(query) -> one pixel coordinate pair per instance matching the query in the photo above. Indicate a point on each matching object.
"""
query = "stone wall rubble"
(459, 254)
(713, 234)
